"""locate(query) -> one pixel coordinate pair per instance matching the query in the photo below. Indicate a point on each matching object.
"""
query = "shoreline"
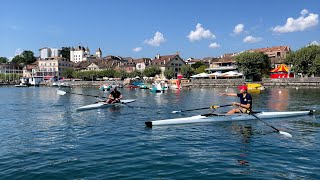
(310, 82)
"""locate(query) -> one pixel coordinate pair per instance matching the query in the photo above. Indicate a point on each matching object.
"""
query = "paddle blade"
(285, 134)
(173, 112)
(61, 92)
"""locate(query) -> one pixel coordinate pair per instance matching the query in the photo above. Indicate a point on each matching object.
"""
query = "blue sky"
(144, 28)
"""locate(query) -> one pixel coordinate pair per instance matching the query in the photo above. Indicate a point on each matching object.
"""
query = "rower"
(245, 104)
(114, 96)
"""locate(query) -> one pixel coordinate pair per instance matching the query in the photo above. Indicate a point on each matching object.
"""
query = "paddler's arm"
(110, 96)
(246, 106)
(228, 94)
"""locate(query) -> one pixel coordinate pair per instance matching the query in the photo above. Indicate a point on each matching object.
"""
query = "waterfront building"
(80, 53)
(276, 54)
(46, 52)
(11, 72)
(223, 64)
(128, 66)
(190, 61)
(174, 62)
(30, 69)
(53, 67)
(97, 64)
(142, 63)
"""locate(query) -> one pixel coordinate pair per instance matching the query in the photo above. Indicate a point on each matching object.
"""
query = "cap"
(243, 87)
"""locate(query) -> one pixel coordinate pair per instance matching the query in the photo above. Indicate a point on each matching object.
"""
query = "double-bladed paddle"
(210, 107)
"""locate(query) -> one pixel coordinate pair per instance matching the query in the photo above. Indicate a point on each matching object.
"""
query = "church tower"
(99, 53)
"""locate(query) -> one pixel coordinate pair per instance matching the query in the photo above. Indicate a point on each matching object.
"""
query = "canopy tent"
(281, 71)
(231, 74)
(215, 74)
(201, 75)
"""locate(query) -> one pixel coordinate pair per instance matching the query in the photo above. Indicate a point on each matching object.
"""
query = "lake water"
(42, 136)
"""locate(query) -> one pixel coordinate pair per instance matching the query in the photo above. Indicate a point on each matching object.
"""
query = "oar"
(211, 107)
(60, 92)
(280, 132)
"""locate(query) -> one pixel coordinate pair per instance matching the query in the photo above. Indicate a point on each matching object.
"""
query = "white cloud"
(156, 40)
(214, 45)
(304, 12)
(137, 49)
(302, 23)
(251, 39)
(200, 33)
(18, 51)
(314, 43)
(238, 29)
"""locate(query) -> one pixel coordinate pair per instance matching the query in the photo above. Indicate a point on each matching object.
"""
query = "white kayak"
(105, 105)
(223, 117)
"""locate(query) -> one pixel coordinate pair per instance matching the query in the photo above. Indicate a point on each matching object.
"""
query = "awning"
(201, 75)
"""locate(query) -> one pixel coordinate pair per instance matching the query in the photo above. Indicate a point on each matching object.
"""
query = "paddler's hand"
(235, 104)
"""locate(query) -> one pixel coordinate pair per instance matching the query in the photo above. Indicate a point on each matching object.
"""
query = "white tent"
(215, 74)
(231, 74)
(201, 75)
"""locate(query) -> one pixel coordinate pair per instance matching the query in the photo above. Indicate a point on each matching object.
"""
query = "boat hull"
(222, 117)
(100, 105)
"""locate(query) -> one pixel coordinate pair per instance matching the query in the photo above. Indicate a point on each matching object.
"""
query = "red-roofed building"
(277, 54)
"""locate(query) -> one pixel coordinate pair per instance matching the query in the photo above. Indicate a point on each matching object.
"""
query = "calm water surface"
(42, 136)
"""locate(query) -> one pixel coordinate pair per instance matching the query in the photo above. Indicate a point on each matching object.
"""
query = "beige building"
(174, 62)
(53, 67)
(142, 63)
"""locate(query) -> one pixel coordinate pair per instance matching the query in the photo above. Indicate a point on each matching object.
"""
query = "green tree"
(152, 71)
(187, 71)
(68, 73)
(135, 73)
(18, 59)
(169, 73)
(26, 57)
(315, 68)
(197, 64)
(201, 69)
(304, 60)
(3, 60)
(121, 74)
(65, 52)
(253, 64)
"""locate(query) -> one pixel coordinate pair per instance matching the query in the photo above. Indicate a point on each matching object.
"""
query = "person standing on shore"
(245, 104)
(115, 96)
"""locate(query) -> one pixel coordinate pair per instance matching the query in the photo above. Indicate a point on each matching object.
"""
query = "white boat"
(21, 85)
(105, 105)
(223, 117)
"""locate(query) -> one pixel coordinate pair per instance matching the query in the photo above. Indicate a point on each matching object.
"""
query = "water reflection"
(246, 133)
(278, 99)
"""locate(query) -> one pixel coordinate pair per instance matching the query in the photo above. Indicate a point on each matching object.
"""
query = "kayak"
(212, 117)
(105, 105)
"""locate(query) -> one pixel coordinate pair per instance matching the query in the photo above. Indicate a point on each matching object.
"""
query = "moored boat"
(212, 117)
(105, 105)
